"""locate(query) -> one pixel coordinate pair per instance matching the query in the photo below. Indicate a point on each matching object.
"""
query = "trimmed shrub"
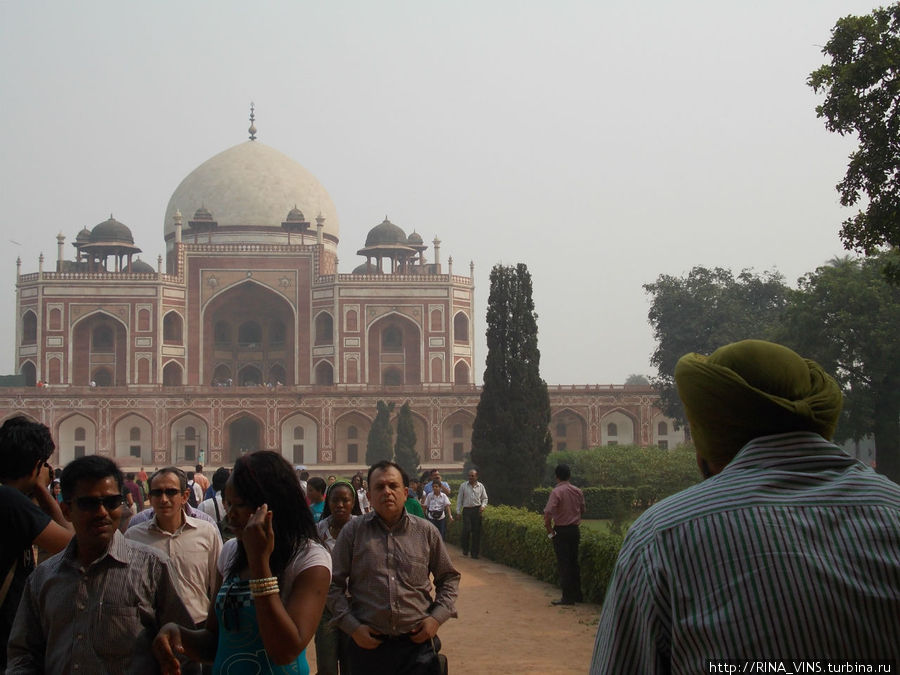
(516, 538)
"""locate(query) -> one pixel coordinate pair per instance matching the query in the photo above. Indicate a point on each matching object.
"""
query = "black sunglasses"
(168, 492)
(110, 503)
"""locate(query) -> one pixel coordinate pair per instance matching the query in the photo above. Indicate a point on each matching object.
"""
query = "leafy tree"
(704, 310)
(636, 378)
(405, 448)
(510, 434)
(861, 83)
(378, 445)
(845, 315)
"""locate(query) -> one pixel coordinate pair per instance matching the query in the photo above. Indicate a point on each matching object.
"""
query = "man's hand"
(165, 647)
(426, 630)
(365, 638)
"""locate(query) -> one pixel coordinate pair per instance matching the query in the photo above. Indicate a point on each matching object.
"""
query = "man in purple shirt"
(562, 517)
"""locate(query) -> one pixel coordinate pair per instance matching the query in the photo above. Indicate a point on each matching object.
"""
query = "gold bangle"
(263, 580)
(261, 594)
(264, 587)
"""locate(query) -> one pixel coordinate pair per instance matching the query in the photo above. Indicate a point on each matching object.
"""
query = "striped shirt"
(791, 552)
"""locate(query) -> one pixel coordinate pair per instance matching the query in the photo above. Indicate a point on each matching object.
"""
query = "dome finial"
(252, 128)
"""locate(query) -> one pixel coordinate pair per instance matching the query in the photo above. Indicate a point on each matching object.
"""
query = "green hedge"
(516, 538)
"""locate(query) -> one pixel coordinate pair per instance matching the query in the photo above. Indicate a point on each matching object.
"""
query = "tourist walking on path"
(437, 506)
(333, 644)
(470, 503)
(562, 518)
(389, 554)
(276, 576)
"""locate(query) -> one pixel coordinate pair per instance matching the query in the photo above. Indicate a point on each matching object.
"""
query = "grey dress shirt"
(99, 619)
(380, 575)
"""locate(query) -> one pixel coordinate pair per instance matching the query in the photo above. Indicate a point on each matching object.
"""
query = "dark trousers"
(441, 525)
(565, 544)
(471, 528)
(397, 656)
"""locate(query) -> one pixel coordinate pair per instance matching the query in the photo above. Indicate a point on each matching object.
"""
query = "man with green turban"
(789, 551)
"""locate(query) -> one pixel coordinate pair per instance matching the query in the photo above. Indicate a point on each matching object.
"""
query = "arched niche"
(395, 351)
(243, 434)
(99, 341)
(76, 436)
(188, 440)
(133, 440)
(299, 439)
(351, 432)
(456, 436)
(569, 430)
(617, 428)
(249, 325)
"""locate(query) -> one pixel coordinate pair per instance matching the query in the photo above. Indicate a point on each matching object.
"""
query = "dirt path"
(507, 625)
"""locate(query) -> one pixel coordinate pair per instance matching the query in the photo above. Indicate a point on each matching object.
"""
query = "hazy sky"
(601, 143)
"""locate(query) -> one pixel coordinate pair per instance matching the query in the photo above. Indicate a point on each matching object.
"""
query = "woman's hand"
(258, 536)
(165, 647)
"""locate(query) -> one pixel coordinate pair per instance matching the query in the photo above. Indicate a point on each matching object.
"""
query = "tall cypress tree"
(405, 448)
(378, 445)
(511, 435)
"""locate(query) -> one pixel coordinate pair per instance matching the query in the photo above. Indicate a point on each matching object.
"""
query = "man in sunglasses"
(193, 545)
(31, 515)
(96, 605)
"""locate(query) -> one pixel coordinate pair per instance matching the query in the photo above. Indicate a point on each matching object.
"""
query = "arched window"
(30, 372)
(172, 330)
(351, 321)
(324, 374)
(102, 339)
(277, 375)
(102, 377)
(276, 333)
(298, 433)
(561, 429)
(249, 334)
(135, 434)
(612, 429)
(80, 434)
(461, 328)
(662, 429)
(392, 339)
(29, 328)
(457, 431)
(143, 321)
(324, 329)
(222, 334)
(55, 319)
(352, 432)
(393, 377)
(172, 374)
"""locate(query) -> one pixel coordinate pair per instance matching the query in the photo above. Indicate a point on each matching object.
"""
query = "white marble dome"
(252, 185)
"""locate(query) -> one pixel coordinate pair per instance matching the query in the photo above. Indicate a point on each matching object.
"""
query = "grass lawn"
(601, 526)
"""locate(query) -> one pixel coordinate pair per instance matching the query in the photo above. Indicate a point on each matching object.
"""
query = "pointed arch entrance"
(249, 326)
(243, 434)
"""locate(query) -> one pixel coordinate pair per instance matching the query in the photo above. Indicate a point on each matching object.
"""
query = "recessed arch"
(76, 436)
(243, 434)
(29, 371)
(351, 432)
(188, 439)
(299, 439)
(249, 324)
(568, 429)
(324, 374)
(324, 324)
(394, 346)
(173, 374)
(461, 328)
(133, 435)
(461, 372)
(617, 427)
(99, 339)
(456, 436)
(173, 328)
(29, 328)
(250, 376)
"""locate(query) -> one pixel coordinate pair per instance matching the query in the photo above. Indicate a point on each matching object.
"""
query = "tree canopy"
(405, 448)
(379, 443)
(704, 310)
(510, 434)
(861, 84)
(845, 315)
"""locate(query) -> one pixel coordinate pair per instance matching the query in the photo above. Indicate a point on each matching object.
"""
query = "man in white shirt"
(470, 503)
(193, 545)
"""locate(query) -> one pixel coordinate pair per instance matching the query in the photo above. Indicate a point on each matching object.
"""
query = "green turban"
(753, 388)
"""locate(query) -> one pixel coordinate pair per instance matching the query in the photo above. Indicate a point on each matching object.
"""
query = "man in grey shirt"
(97, 604)
(380, 590)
